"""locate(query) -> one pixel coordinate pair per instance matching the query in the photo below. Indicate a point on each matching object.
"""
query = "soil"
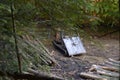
(98, 51)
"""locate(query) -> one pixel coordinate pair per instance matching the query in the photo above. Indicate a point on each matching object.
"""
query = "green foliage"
(8, 57)
(22, 16)
(79, 12)
(4, 20)
(108, 11)
(66, 14)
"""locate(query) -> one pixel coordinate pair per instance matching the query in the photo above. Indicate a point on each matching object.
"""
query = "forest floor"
(71, 67)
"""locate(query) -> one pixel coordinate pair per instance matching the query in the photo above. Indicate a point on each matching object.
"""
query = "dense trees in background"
(66, 13)
(55, 13)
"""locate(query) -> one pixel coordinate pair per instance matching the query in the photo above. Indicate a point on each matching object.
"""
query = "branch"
(29, 76)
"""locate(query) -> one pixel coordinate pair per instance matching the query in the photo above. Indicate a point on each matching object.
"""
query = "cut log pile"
(110, 70)
(35, 59)
(34, 52)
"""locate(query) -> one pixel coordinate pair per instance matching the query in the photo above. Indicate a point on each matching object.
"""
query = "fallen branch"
(100, 36)
(43, 74)
(38, 45)
(28, 76)
(92, 76)
(110, 68)
(105, 72)
(114, 61)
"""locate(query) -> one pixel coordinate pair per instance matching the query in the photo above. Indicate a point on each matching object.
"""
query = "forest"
(28, 28)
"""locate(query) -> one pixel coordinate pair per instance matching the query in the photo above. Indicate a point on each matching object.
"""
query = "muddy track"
(70, 67)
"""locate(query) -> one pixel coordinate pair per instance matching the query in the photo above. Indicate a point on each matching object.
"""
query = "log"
(92, 76)
(33, 51)
(116, 68)
(28, 76)
(100, 36)
(41, 57)
(108, 73)
(44, 49)
(114, 61)
(43, 74)
(32, 45)
(105, 72)
(110, 68)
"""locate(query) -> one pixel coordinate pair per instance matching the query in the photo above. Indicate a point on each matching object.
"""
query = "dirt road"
(70, 67)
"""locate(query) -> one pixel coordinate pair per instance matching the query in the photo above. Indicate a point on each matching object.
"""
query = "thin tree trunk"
(14, 34)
